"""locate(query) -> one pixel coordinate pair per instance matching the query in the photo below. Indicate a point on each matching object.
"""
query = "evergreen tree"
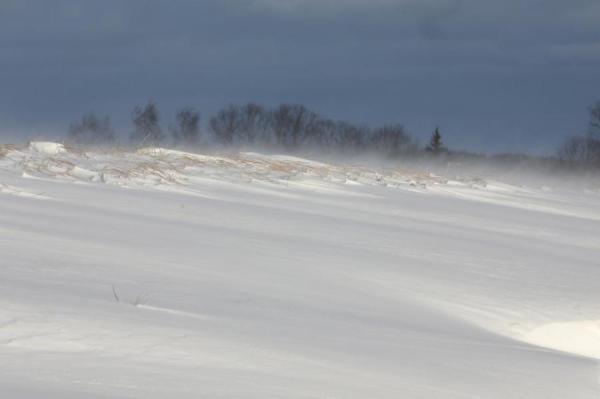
(435, 144)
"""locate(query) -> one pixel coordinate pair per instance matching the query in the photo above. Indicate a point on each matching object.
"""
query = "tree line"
(287, 127)
(292, 127)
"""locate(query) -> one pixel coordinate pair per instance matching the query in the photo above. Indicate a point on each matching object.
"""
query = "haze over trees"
(287, 127)
(291, 127)
(91, 130)
(187, 129)
(584, 150)
(294, 127)
(146, 124)
(435, 143)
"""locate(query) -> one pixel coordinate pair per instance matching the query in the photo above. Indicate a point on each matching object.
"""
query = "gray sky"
(494, 75)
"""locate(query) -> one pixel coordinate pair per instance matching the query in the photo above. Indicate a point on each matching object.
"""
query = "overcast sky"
(495, 75)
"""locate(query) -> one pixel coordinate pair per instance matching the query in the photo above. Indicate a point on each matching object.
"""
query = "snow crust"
(47, 148)
(161, 273)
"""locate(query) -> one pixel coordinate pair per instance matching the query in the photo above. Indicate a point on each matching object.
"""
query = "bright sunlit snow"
(160, 273)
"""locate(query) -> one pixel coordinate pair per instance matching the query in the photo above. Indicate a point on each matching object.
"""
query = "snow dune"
(581, 337)
(162, 273)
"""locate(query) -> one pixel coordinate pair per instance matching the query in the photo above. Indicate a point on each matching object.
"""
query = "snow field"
(254, 276)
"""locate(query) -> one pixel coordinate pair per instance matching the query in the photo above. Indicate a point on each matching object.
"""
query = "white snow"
(48, 148)
(581, 337)
(7, 189)
(260, 276)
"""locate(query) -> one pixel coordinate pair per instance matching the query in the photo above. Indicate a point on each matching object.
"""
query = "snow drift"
(163, 273)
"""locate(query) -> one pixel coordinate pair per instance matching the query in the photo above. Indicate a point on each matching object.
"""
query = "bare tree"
(324, 134)
(225, 125)
(291, 122)
(574, 150)
(255, 123)
(350, 138)
(593, 145)
(584, 150)
(146, 125)
(581, 150)
(293, 126)
(187, 130)
(392, 140)
(92, 130)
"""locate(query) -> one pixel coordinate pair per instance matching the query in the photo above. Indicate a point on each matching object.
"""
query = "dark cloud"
(494, 75)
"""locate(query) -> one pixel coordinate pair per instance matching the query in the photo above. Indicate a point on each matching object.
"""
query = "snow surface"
(48, 148)
(162, 273)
